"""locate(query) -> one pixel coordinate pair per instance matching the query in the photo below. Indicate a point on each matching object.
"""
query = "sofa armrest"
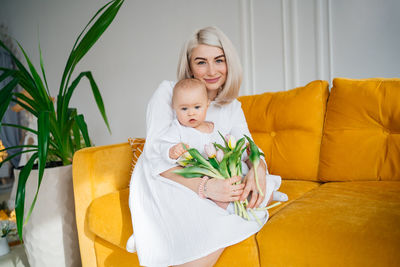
(97, 171)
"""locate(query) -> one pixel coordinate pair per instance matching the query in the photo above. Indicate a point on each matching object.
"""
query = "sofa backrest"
(361, 138)
(288, 126)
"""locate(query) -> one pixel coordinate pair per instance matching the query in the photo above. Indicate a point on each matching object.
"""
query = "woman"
(172, 224)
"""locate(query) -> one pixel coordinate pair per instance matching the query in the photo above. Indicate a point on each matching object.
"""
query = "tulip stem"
(255, 216)
(270, 206)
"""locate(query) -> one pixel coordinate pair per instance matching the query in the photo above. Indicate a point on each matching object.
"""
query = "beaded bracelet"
(202, 187)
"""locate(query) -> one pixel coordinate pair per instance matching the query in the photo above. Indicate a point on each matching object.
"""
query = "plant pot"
(50, 235)
(4, 247)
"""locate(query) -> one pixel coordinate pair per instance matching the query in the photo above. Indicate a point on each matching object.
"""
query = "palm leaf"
(15, 155)
(35, 106)
(25, 106)
(20, 197)
(42, 67)
(6, 96)
(14, 147)
(43, 145)
(57, 136)
(80, 120)
(18, 63)
(96, 93)
(77, 136)
(98, 98)
(6, 73)
(43, 141)
(36, 78)
(71, 59)
(89, 39)
(20, 127)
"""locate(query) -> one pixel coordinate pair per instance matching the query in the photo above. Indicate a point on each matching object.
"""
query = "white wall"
(282, 43)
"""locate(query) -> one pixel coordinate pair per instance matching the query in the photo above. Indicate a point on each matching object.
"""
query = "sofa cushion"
(294, 189)
(287, 126)
(338, 224)
(361, 138)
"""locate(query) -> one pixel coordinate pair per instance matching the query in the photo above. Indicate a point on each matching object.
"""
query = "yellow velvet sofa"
(338, 152)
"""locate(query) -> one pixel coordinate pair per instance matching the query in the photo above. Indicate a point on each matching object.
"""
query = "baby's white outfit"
(178, 133)
(171, 224)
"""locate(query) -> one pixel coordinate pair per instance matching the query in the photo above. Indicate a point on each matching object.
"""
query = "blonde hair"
(214, 37)
(190, 83)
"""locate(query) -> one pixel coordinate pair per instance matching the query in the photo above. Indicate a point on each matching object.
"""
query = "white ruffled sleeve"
(168, 139)
(158, 119)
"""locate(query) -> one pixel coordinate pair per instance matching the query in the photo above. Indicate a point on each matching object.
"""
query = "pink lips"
(212, 80)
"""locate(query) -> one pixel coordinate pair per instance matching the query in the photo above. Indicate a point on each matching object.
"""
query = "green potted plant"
(61, 130)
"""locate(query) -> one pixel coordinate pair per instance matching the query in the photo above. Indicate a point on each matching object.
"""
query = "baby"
(190, 128)
(190, 103)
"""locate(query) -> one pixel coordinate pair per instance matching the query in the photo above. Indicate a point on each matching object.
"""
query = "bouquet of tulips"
(222, 162)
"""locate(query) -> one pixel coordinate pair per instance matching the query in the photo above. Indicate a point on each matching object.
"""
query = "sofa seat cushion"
(287, 126)
(294, 189)
(338, 224)
(361, 138)
(109, 217)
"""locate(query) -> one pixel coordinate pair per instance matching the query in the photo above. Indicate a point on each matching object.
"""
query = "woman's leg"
(207, 261)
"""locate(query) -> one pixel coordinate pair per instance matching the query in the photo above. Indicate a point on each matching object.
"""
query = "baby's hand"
(177, 150)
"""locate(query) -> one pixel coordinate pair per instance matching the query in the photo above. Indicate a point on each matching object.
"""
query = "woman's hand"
(251, 186)
(224, 190)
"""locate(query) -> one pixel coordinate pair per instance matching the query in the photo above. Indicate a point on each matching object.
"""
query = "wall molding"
(306, 32)
(323, 38)
(247, 45)
(290, 43)
(330, 40)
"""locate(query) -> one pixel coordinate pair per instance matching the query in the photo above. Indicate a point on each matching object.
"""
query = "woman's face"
(208, 64)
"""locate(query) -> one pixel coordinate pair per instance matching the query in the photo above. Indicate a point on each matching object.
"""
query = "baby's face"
(191, 107)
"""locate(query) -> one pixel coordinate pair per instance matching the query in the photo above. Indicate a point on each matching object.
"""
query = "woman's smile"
(214, 80)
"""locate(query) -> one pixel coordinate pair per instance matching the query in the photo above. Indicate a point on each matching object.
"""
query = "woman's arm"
(217, 189)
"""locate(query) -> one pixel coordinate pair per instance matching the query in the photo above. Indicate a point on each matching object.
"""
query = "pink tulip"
(210, 151)
(220, 155)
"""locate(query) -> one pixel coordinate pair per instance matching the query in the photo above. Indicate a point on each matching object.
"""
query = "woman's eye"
(201, 62)
(220, 61)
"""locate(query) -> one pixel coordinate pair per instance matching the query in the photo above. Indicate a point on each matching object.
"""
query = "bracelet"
(202, 187)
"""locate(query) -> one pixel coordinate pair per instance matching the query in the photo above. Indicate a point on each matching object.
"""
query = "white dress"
(171, 223)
